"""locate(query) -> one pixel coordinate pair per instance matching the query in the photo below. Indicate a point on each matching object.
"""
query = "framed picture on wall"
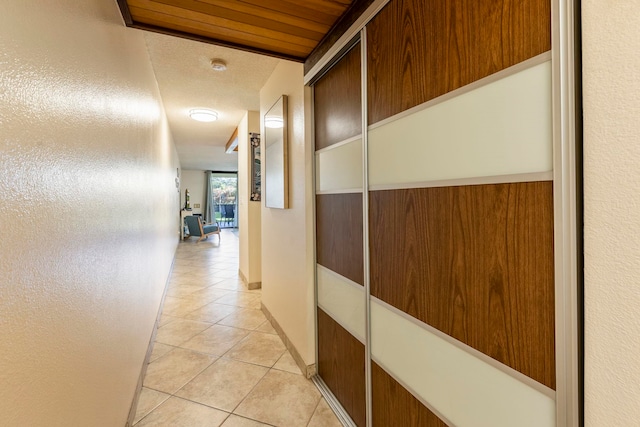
(256, 182)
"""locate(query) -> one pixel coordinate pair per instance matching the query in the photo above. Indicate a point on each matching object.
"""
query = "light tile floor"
(217, 361)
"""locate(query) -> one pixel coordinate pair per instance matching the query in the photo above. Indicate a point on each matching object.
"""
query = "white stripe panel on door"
(339, 168)
(343, 300)
(463, 389)
(500, 128)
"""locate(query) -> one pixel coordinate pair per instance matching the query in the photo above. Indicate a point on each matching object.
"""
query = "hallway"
(217, 361)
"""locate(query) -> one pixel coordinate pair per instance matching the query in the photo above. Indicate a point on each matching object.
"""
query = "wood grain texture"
(181, 16)
(339, 241)
(419, 50)
(337, 101)
(357, 8)
(393, 405)
(341, 365)
(324, 11)
(222, 11)
(475, 262)
(206, 33)
(253, 25)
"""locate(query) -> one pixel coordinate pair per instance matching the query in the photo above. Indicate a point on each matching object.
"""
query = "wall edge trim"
(147, 357)
(339, 144)
(250, 285)
(342, 191)
(307, 370)
(568, 232)
(459, 182)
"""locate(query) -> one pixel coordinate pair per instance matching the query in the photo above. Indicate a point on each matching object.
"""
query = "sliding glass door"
(224, 188)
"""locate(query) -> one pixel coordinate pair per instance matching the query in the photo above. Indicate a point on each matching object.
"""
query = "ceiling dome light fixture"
(274, 122)
(203, 115)
(218, 65)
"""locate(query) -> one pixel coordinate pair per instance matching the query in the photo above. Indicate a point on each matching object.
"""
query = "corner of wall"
(249, 211)
(287, 234)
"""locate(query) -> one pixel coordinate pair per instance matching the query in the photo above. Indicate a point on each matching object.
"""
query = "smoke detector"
(218, 65)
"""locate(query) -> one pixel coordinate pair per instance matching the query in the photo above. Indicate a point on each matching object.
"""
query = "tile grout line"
(175, 282)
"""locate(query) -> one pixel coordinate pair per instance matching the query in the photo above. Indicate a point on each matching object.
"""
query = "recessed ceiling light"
(218, 65)
(274, 122)
(203, 115)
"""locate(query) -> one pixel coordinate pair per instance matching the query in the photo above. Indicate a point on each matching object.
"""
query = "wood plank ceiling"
(289, 29)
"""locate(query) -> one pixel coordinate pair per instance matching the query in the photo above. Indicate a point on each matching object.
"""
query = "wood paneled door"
(436, 217)
(339, 234)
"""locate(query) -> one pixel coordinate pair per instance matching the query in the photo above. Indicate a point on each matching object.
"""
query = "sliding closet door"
(461, 213)
(339, 234)
(437, 220)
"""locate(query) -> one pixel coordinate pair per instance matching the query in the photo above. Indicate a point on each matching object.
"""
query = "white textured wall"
(249, 226)
(287, 234)
(88, 212)
(195, 182)
(611, 42)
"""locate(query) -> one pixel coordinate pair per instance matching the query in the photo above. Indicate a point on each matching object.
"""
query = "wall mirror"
(276, 175)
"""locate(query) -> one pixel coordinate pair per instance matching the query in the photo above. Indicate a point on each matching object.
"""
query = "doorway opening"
(224, 189)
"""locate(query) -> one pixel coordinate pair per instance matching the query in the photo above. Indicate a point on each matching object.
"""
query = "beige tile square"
(244, 318)
(224, 384)
(324, 416)
(197, 270)
(175, 333)
(179, 272)
(266, 328)
(174, 307)
(239, 299)
(175, 369)
(227, 257)
(174, 281)
(159, 350)
(215, 280)
(212, 312)
(188, 275)
(193, 299)
(210, 294)
(236, 421)
(178, 307)
(165, 318)
(211, 279)
(188, 262)
(216, 340)
(182, 290)
(231, 285)
(196, 280)
(281, 399)
(287, 363)
(148, 401)
(227, 264)
(177, 412)
(259, 348)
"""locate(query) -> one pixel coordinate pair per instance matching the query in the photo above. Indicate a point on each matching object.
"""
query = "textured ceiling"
(186, 81)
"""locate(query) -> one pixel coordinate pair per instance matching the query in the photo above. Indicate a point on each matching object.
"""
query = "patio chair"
(228, 214)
